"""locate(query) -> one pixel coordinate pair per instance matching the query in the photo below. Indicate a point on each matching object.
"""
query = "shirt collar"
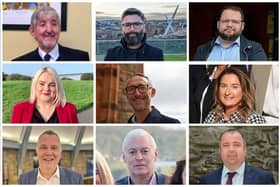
(237, 41)
(56, 174)
(54, 53)
(239, 171)
(153, 180)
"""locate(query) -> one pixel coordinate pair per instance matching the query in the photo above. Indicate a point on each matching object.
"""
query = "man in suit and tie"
(49, 152)
(45, 29)
(235, 171)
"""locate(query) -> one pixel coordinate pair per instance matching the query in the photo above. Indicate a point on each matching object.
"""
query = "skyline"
(152, 11)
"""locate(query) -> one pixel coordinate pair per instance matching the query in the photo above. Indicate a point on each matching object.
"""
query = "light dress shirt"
(237, 178)
(54, 53)
(153, 180)
(230, 53)
(55, 179)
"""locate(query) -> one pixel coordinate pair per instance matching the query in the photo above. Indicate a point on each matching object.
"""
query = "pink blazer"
(23, 112)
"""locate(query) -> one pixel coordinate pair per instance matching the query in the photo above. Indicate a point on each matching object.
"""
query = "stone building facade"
(111, 104)
(262, 149)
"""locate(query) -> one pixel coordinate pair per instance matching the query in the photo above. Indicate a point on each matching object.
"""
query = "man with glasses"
(139, 91)
(133, 42)
(230, 45)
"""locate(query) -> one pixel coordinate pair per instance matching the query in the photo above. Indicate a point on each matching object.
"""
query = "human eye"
(43, 147)
(41, 83)
(225, 145)
(42, 23)
(54, 23)
(237, 144)
(54, 147)
(126, 24)
(130, 89)
(225, 21)
(52, 85)
(222, 85)
(142, 87)
(132, 152)
(235, 86)
(145, 151)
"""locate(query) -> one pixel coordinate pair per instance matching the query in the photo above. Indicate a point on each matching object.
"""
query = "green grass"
(79, 93)
(179, 57)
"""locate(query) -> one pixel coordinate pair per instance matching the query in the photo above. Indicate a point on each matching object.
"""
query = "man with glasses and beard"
(230, 45)
(133, 43)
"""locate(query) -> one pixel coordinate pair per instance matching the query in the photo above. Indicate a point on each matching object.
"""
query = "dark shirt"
(155, 117)
(37, 118)
(144, 53)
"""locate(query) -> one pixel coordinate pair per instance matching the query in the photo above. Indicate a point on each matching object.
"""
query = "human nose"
(139, 156)
(227, 90)
(48, 151)
(48, 27)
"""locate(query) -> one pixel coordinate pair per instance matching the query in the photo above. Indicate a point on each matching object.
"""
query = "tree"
(87, 76)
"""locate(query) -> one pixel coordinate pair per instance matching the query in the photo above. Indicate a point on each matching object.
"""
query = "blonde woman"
(47, 103)
(103, 173)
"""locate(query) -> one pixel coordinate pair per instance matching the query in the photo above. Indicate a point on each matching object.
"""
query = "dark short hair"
(234, 131)
(133, 11)
(49, 132)
(234, 8)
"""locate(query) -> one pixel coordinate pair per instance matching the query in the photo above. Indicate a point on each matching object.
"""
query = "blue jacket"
(252, 175)
(67, 176)
(156, 117)
(249, 50)
(145, 53)
(161, 179)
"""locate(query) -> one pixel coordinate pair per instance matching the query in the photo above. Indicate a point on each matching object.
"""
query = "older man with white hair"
(140, 154)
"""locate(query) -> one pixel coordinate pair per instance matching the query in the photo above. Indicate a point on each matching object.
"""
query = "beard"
(133, 40)
(228, 37)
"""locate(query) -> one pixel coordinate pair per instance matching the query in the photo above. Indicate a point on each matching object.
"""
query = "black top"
(145, 53)
(37, 118)
(156, 117)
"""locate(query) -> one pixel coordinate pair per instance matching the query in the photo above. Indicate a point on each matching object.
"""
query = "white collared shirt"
(237, 178)
(54, 53)
(153, 180)
(55, 179)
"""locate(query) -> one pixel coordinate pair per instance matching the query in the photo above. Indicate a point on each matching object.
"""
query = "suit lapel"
(218, 177)
(34, 177)
(248, 175)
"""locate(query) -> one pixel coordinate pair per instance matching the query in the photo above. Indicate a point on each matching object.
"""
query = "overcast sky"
(170, 81)
(152, 10)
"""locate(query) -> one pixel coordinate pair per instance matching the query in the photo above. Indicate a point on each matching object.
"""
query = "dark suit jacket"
(65, 54)
(23, 113)
(161, 179)
(67, 176)
(249, 50)
(156, 117)
(252, 175)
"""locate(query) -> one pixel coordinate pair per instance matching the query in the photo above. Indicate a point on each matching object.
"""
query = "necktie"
(230, 176)
(47, 57)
